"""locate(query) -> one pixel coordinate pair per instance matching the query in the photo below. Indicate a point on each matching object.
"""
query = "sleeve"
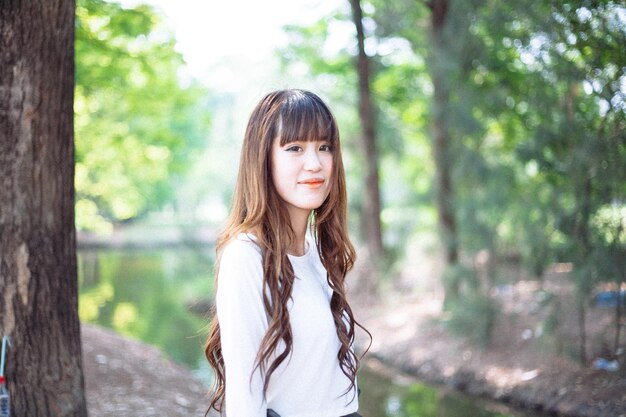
(243, 324)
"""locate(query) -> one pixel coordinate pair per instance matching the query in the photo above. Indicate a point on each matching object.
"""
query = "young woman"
(281, 341)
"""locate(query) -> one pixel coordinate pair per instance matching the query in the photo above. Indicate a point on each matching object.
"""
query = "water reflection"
(383, 397)
(148, 294)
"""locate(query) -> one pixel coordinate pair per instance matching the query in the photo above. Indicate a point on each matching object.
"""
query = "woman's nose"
(312, 160)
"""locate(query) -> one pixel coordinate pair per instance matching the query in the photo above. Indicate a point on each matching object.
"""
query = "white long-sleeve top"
(309, 383)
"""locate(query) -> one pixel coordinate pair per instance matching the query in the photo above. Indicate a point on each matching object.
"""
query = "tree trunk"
(371, 203)
(620, 262)
(581, 232)
(618, 321)
(582, 332)
(38, 283)
(441, 142)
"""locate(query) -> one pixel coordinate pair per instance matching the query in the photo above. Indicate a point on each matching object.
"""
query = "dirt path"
(519, 366)
(126, 378)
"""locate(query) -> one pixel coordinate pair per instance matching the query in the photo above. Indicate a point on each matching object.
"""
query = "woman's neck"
(299, 222)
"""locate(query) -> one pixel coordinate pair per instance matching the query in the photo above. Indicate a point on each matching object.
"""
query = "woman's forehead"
(307, 131)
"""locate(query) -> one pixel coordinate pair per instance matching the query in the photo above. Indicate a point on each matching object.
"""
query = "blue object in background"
(606, 365)
(608, 299)
(5, 404)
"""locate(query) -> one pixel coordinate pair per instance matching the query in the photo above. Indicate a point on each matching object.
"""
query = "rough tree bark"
(38, 282)
(371, 203)
(441, 141)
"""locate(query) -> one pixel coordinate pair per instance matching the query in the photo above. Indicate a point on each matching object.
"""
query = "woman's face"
(302, 174)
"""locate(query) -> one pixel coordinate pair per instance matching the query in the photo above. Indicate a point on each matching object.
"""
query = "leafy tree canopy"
(137, 122)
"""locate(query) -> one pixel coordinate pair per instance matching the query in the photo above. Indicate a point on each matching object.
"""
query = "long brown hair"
(291, 115)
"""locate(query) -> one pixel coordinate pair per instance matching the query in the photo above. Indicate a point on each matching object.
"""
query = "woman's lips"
(312, 183)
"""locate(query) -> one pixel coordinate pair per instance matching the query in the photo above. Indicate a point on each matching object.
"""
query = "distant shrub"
(473, 316)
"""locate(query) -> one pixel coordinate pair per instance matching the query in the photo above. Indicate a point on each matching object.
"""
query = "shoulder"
(239, 291)
(241, 260)
(243, 247)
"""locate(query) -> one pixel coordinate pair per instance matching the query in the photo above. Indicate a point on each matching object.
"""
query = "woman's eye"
(326, 148)
(294, 148)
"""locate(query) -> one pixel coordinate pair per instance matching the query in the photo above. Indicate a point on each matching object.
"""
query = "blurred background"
(485, 149)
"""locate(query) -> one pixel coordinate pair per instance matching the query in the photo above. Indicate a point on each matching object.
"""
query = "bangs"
(305, 118)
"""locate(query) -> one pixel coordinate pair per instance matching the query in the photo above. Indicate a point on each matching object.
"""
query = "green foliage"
(137, 126)
(536, 114)
(551, 325)
(473, 316)
(457, 276)
(420, 400)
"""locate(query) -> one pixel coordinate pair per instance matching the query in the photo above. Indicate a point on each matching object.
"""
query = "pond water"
(386, 396)
(160, 297)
